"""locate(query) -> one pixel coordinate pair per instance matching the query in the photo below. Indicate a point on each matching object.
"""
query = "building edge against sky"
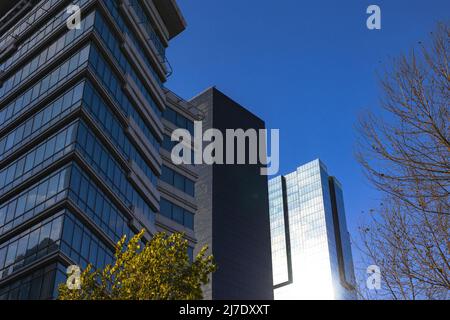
(311, 249)
(233, 210)
(85, 150)
(83, 116)
(75, 177)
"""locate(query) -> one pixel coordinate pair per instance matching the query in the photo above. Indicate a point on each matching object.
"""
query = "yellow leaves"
(158, 270)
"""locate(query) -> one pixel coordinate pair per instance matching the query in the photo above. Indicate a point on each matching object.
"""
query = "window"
(178, 181)
(85, 246)
(76, 242)
(170, 115)
(31, 96)
(189, 220)
(166, 208)
(178, 120)
(97, 206)
(26, 247)
(191, 254)
(177, 214)
(190, 187)
(167, 175)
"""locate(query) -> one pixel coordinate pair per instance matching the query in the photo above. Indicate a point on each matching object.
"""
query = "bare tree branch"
(405, 153)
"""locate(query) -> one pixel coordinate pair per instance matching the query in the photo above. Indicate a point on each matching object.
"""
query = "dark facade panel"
(171, 15)
(7, 5)
(233, 215)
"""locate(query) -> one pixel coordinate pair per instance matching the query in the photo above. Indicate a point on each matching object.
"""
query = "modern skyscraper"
(311, 250)
(80, 132)
(233, 213)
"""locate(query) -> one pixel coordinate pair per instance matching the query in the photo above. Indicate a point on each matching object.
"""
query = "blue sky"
(307, 68)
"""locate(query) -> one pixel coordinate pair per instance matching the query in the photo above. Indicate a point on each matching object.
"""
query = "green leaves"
(160, 270)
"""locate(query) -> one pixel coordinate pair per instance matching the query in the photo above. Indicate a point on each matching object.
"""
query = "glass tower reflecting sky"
(311, 251)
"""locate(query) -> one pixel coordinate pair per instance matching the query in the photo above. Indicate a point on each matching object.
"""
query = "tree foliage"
(412, 249)
(159, 270)
(406, 155)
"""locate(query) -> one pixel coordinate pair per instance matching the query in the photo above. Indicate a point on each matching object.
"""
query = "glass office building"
(81, 128)
(311, 250)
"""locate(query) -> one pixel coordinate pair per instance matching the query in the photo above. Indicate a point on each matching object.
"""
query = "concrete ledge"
(165, 224)
(143, 184)
(145, 109)
(180, 105)
(186, 169)
(171, 15)
(159, 23)
(147, 45)
(177, 196)
(142, 143)
(6, 51)
(140, 222)
(135, 58)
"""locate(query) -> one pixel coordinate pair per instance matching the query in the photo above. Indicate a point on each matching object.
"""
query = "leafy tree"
(159, 270)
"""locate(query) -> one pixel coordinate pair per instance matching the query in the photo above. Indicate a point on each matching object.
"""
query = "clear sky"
(307, 68)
